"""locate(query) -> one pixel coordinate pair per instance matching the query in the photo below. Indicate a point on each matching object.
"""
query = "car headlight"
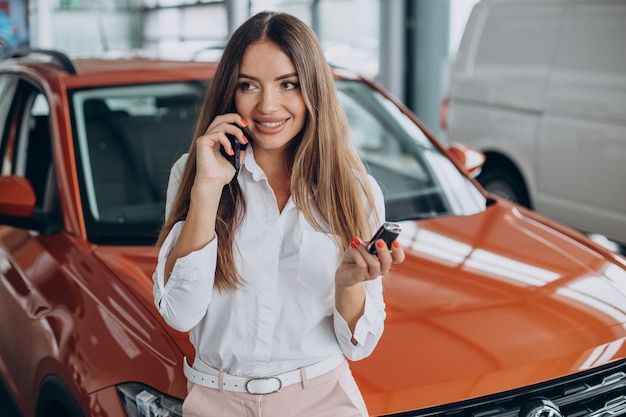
(142, 401)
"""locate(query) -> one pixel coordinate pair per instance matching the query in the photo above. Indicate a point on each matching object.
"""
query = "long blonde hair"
(328, 179)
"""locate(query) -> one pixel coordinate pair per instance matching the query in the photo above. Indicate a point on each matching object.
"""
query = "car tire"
(504, 183)
(56, 400)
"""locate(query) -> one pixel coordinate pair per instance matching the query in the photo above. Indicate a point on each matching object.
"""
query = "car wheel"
(504, 184)
(56, 400)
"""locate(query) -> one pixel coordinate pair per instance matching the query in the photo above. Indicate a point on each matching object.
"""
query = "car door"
(28, 269)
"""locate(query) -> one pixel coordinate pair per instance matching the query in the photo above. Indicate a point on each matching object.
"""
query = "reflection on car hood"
(135, 266)
(483, 304)
(488, 303)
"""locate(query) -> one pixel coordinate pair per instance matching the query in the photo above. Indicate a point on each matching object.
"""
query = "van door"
(498, 87)
(582, 138)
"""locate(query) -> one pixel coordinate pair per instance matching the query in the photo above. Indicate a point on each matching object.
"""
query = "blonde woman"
(267, 266)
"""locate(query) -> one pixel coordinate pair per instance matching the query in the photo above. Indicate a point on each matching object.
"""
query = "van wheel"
(504, 184)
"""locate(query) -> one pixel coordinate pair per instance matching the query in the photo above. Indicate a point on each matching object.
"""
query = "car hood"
(483, 304)
(488, 303)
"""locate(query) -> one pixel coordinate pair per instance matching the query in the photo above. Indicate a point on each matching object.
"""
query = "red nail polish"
(357, 241)
(396, 244)
(245, 139)
(353, 245)
(244, 123)
(231, 152)
(380, 244)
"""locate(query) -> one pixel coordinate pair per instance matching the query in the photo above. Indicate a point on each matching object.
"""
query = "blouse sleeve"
(184, 300)
(369, 328)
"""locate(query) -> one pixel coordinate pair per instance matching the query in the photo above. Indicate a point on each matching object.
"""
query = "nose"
(269, 100)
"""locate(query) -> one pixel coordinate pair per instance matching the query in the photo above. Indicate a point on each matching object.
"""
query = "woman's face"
(268, 96)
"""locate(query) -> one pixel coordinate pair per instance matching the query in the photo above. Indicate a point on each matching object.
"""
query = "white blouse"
(284, 316)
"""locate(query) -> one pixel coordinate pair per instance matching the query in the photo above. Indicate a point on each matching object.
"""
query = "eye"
(290, 85)
(246, 86)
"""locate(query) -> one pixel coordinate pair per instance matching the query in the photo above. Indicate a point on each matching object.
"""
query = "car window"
(128, 138)
(8, 84)
(34, 156)
(28, 153)
(7, 87)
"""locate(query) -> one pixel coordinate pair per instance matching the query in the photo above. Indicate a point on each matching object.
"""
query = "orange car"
(496, 312)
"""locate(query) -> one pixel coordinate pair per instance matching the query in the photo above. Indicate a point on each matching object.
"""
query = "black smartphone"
(388, 232)
(236, 158)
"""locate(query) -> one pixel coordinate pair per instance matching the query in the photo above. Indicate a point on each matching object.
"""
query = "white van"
(540, 87)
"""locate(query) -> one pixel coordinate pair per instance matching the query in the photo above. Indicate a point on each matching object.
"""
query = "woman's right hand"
(213, 172)
(211, 166)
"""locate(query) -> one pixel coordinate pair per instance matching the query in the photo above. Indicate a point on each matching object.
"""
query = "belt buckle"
(261, 391)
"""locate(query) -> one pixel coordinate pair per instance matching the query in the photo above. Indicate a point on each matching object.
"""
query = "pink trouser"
(333, 394)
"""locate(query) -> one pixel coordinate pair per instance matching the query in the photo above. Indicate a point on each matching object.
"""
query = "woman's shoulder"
(373, 183)
(376, 193)
(173, 183)
(179, 165)
(368, 179)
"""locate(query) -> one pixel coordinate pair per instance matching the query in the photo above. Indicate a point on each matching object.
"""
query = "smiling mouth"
(272, 125)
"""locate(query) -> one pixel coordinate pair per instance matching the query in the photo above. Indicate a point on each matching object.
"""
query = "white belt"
(212, 378)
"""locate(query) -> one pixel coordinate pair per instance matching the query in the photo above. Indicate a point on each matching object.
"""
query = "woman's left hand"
(358, 265)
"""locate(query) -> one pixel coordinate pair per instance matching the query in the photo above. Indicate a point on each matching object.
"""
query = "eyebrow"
(281, 77)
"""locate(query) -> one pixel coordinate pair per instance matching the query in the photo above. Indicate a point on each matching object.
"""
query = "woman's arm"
(213, 172)
(357, 268)
(198, 229)
(185, 271)
(183, 302)
(185, 264)
(359, 305)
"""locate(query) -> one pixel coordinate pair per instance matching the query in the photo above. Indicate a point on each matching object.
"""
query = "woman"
(262, 264)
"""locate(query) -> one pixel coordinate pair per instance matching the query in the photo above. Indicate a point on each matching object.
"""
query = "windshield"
(417, 180)
(128, 137)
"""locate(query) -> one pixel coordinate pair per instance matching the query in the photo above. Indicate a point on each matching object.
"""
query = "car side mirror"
(468, 157)
(18, 197)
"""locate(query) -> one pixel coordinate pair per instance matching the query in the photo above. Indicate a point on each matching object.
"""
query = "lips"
(270, 126)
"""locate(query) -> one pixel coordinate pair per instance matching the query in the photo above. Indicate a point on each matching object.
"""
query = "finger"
(383, 255)
(355, 255)
(225, 119)
(230, 123)
(373, 263)
(238, 132)
(397, 253)
(241, 122)
(218, 134)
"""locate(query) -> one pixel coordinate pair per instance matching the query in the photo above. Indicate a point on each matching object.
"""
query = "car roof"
(85, 72)
(102, 71)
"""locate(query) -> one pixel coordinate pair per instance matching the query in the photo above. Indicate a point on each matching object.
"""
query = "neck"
(272, 162)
